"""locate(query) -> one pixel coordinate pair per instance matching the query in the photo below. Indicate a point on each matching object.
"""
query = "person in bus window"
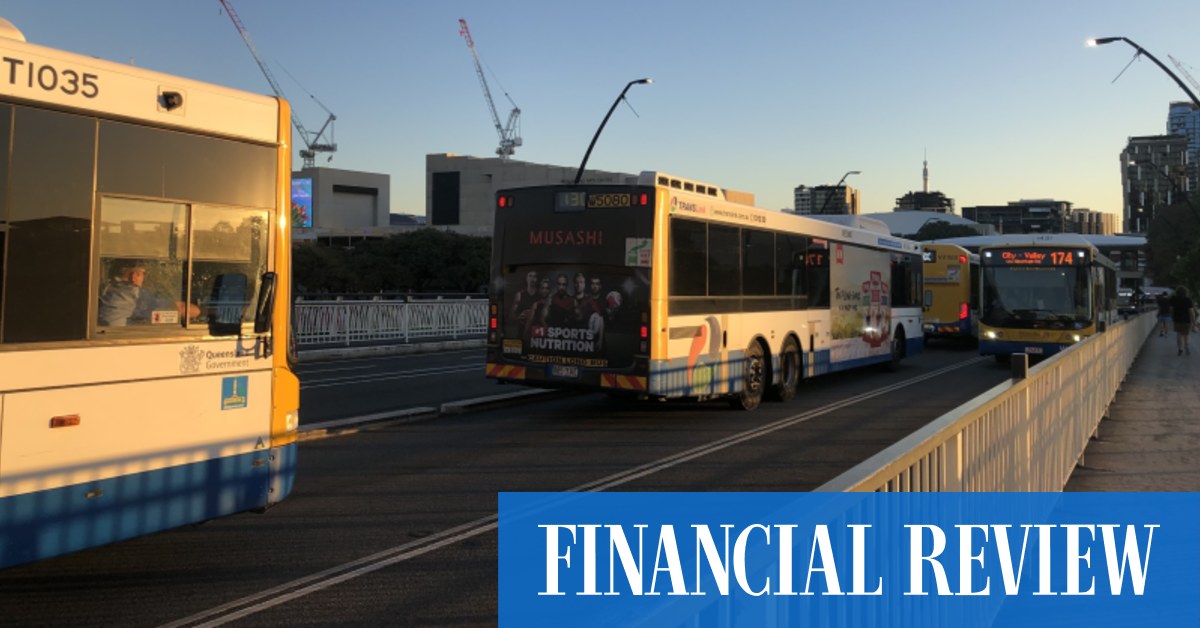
(121, 298)
(126, 300)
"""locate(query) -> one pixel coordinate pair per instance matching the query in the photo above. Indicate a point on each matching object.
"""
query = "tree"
(1173, 246)
(425, 260)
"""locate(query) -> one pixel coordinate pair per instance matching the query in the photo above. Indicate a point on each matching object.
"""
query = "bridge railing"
(324, 323)
(1022, 435)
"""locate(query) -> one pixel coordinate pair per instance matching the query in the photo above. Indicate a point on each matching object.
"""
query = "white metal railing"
(1022, 435)
(348, 322)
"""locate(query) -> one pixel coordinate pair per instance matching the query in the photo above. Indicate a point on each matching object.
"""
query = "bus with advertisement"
(145, 375)
(666, 287)
(1040, 294)
(950, 293)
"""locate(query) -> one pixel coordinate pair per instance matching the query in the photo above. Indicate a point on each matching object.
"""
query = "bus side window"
(227, 304)
(142, 263)
(227, 241)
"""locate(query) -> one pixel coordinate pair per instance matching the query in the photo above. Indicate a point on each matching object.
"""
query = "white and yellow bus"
(669, 288)
(1043, 293)
(144, 369)
(951, 292)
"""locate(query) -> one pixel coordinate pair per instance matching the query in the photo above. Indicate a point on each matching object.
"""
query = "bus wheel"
(789, 372)
(897, 350)
(752, 379)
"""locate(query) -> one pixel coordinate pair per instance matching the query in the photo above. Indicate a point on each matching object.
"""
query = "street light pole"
(835, 186)
(579, 175)
(1142, 51)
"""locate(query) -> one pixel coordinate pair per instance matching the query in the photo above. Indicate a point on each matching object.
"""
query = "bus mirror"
(226, 304)
(266, 304)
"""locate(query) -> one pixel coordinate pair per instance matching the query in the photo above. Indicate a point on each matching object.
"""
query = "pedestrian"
(1183, 313)
(1163, 300)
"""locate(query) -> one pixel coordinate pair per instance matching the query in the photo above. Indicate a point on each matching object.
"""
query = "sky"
(1003, 98)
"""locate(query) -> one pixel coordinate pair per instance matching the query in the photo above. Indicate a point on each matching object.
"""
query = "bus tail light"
(504, 201)
(642, 199)
(962, 259)
(963, 312)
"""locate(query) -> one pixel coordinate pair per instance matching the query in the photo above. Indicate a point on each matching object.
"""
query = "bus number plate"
(559, 370)
(1033, 350)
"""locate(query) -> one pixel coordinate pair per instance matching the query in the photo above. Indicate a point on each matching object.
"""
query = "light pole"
(1142, 51)
(579, 175)
(835, 186)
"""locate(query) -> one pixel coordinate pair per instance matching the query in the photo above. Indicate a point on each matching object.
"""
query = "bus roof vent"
(8, 31)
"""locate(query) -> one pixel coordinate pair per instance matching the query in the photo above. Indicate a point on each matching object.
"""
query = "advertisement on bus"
(574, 315)
(860, 308)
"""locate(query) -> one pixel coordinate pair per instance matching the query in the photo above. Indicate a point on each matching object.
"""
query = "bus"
(664, 287)
(145, 375)
(1042, 294)
(951, 292)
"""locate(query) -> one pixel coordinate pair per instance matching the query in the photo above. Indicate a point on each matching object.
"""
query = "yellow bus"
(1042, 294)
(951, 292)
(667, 287)
(144, 369)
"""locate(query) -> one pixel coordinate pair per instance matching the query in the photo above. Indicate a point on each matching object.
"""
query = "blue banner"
(849, 559)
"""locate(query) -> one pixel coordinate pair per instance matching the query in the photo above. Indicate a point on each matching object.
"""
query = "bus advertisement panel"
(861, 308)
(574, 282)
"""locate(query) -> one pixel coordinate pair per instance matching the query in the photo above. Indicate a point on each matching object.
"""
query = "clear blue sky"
(751, 95)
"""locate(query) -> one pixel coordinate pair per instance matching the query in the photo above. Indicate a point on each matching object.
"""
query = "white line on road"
(341, 381)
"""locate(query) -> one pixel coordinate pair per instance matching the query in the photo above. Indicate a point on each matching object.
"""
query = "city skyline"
(1005, 102)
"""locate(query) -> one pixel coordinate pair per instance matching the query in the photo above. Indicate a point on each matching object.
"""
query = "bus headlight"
(292, 420)
(991, 335)
(1077, 337)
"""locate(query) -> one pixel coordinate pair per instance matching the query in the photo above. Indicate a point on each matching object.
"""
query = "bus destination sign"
(578, 201)
(1039, 257)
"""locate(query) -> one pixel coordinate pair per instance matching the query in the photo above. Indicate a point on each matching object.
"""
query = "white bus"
(144, 375)
(667, 287)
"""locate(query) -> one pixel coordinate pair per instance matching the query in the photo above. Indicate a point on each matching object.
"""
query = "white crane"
(313, 143)
(1179, 65)
(510, 133)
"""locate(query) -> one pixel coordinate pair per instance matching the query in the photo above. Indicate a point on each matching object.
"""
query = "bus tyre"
(789, 372)
(753, 373)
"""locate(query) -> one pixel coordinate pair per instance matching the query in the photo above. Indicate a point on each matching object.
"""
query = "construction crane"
(1179, 65)
(313, 143)
(510, 133)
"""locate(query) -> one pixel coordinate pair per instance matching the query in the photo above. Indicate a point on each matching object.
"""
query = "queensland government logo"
(190, 358)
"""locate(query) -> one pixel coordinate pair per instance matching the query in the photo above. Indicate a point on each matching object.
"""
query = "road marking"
(341, 381)
(301, 587)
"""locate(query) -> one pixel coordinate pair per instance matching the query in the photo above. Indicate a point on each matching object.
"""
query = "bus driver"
(123, 299)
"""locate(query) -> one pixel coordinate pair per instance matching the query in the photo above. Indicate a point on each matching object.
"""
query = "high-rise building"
(826, 199)
(1084, 220)
(1183, 118)
(1025, 216)
(1153, 177)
